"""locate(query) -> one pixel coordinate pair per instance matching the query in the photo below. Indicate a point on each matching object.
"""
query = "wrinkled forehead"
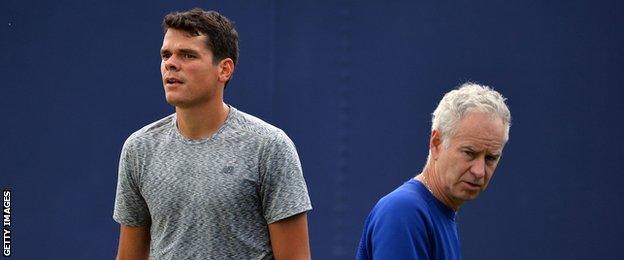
(482, 130)
(492, 114)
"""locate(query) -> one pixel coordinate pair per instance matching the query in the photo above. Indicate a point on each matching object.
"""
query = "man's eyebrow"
(474, 149)
(180, 50)
(469, 147)
(495, 153)
(188, 51)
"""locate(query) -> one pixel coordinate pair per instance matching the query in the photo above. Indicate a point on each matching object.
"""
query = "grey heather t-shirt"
(210, 198)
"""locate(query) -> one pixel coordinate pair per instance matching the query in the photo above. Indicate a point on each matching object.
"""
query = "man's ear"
(435, 144)
(226, 69)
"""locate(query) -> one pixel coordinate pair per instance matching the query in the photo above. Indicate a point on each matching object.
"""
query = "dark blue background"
(353, 83)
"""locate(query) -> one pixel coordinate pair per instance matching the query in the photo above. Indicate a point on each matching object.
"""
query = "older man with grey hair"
(469, 129)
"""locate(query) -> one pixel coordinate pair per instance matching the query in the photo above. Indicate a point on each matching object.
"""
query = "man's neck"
(430, 179)
(201, 122)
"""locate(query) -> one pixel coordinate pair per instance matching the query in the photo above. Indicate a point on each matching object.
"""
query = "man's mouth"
(472, 185)
(173, 81)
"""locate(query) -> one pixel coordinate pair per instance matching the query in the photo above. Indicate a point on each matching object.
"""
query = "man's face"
(465, 168)
(189, 76)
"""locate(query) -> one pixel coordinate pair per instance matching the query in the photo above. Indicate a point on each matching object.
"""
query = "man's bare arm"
(134, 243)
(289, 238)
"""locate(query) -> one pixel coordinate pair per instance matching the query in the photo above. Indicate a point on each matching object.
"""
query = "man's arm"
(289, 238)
(134, 243)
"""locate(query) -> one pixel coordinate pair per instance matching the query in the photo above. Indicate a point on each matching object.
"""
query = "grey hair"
(467, 98)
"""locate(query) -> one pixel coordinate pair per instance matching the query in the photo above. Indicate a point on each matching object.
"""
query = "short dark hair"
(222, 37)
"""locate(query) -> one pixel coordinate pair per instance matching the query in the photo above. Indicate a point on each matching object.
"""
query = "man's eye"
(189, 56)
(469, 153)
(164, 56)
(491, 158)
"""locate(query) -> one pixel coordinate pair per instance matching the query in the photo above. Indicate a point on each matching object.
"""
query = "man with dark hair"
(209, 181)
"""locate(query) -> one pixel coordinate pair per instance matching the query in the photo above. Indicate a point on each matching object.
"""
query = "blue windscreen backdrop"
(353, 83)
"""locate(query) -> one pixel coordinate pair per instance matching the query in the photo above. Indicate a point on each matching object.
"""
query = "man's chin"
(471, 196)
(467, 195)
(176, 102)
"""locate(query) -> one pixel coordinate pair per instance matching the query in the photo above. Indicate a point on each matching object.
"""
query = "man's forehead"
(480, 133)
(481, 124)
(183, 40)
(489, 147)
(187, 33)
(478, 141)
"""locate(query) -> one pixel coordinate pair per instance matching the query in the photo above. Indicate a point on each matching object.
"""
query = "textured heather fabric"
(410, 223)
(210, 198)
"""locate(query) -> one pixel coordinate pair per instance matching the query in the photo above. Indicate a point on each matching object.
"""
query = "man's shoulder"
(151, 131)
(406, 196)
(401, 212)
(406, 201)
(255, 126)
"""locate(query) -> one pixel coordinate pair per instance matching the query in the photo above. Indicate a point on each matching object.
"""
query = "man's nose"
(172, 64)
(478, 167)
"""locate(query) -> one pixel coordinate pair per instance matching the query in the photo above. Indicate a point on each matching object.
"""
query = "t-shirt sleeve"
(283, 189)
(394, 230)
(130, 207)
